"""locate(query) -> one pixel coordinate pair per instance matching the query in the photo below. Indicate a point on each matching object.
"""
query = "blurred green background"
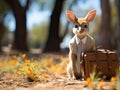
(42, 24)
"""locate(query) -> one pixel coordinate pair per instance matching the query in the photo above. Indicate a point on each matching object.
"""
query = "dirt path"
(72, 85)
(55, 82)
(9, 81)
(60, 83)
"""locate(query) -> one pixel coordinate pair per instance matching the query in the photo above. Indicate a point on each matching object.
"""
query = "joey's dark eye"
(76, 26)
(85, 26)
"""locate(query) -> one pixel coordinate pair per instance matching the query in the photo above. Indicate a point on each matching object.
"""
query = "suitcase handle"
(101, 47)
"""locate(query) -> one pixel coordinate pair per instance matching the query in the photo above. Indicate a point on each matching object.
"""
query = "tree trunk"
(53, 42)
(118, 26)
(105, 36)
(20, 35)
(1, 34)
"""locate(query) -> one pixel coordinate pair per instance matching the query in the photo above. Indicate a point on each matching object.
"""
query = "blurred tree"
(20, 35)
(53, 41)
(95, 32)
(105, 38)
(114, 16)
(38, 34)
(3, 32)
(3, 11)
(114, 24)
(67, 24)
(118, 25)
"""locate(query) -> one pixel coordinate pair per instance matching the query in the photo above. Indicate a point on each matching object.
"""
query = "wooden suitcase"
(106, 62)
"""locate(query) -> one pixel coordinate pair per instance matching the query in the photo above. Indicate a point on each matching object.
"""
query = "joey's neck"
(81, 37)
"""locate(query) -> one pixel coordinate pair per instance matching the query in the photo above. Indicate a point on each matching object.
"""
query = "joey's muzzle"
(79, 30)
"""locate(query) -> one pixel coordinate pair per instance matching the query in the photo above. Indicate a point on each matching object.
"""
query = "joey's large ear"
(71, 17)
(91, 15)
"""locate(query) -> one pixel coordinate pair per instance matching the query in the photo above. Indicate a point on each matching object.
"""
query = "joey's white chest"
(75, 43)
(78, 40)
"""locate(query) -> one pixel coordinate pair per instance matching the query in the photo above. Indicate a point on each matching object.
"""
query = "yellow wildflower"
(35, 77)
(34, 65)
(89, 82)
(27, 63)
(13, 62)
(29, 69)
(24, 55)
(20, 70)
(14, 56)
(113, 79)
(29, 73)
